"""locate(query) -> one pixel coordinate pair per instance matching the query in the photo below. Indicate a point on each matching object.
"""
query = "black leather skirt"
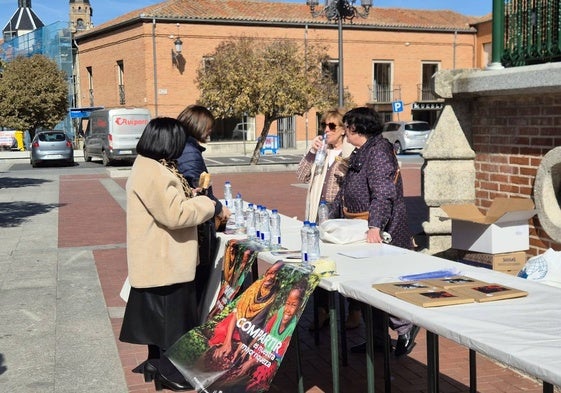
(160, 315)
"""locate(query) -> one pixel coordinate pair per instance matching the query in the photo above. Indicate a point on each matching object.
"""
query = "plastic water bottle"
(320, 156)
(275, 220)
(228, 198)
(313, 243)
(258, 222)
(304, 241)
(323, 212)
(238, 211)
(249, 217)
(265, 229)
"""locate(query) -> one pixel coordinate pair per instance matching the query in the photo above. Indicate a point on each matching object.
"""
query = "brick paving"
(89, 217)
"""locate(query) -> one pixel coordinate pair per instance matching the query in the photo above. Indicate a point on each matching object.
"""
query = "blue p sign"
(397, 106)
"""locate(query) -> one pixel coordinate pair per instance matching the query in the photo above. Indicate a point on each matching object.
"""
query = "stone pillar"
(449, 169)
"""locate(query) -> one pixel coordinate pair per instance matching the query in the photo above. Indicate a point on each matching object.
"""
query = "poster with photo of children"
(240, 349)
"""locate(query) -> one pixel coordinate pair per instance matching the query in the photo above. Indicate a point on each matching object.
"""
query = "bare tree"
(276, 79)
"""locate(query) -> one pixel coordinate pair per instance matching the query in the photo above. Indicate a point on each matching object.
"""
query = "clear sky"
(50, 11)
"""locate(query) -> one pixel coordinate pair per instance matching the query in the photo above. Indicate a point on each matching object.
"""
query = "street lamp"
(339, 10)
(178, 45)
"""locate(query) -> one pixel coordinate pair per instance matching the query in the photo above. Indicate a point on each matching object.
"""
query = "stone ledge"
(533, 79)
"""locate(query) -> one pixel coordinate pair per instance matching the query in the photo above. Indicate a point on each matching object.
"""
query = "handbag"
(208, 242)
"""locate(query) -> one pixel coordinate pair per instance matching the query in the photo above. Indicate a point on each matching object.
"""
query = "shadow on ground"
(20, 182)
(12, 214)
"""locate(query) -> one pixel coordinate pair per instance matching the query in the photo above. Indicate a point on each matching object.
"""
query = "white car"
(407, 135)
(240, 131)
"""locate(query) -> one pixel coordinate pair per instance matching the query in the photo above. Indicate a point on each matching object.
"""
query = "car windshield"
(52, 137)
(417, 127)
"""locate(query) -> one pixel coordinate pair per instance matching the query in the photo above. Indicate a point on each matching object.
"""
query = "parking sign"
(397, 106)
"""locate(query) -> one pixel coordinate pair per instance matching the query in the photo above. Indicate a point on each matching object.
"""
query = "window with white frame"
(382, 86)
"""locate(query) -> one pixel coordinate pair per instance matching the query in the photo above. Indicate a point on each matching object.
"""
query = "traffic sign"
(397, 106)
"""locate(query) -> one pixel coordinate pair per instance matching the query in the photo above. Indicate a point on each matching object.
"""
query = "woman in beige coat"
(162, 251)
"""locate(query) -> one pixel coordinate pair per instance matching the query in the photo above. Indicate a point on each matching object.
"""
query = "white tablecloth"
(524, 333)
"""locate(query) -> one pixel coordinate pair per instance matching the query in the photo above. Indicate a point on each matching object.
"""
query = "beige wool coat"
(162, 246)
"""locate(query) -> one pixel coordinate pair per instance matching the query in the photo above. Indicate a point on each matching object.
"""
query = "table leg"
(432, 362)
(334, 340)
(343, 330)
(369, 333)
(387, 350)
(547, 387)
(316, 318)
(299, 374)
(472, 371)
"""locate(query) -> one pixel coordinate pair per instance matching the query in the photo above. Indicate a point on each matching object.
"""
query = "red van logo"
(123, 121)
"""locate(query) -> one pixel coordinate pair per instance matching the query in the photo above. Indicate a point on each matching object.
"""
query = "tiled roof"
(485, 18)
(256, 11)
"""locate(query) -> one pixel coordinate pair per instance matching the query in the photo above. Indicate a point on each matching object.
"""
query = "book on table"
(453, 282)
(391, 288)
(491, 292)
(435, 297)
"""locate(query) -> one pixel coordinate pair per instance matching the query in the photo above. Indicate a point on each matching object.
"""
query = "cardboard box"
(503, 229)
(512, 261)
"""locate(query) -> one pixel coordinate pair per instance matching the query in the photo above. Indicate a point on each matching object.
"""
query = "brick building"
(389, 56)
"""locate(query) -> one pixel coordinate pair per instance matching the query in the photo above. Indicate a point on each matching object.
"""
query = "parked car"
(407, 135)
(240, 131)
(51, 146)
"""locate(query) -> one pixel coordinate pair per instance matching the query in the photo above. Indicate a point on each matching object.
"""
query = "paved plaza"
(63, 262)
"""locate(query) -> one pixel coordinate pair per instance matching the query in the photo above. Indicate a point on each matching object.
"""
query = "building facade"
(389, 56)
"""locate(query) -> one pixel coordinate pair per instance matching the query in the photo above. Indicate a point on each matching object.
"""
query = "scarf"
(172, 167)
(254, 300)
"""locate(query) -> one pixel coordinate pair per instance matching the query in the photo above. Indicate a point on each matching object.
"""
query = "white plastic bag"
(544, 268)
(343, 230)
(125, 290)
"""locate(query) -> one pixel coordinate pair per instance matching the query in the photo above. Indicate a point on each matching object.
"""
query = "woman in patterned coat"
(373, 189)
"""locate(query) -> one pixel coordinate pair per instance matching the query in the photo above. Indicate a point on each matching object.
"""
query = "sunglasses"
(332, 126)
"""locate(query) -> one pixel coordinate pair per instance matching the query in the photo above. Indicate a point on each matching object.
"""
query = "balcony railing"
(532, 32)
(122, 95)
(384, 93)
(426, 92)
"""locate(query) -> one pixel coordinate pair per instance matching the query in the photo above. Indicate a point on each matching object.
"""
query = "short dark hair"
(197, 120)
(365, 120)
(163, 138)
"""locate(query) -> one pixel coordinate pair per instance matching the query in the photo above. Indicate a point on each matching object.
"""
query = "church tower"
(80, 15)
(22, 22)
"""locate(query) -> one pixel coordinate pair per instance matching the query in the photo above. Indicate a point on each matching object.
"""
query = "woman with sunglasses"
(324, 184)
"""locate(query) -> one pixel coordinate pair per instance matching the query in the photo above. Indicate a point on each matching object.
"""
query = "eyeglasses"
(332, 126)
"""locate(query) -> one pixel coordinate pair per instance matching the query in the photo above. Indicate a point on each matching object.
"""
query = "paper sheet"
(372, 250)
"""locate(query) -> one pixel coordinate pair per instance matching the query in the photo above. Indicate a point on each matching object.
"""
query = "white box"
(503, 229)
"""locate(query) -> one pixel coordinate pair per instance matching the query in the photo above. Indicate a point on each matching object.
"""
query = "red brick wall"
(510, 136)
(406, 50)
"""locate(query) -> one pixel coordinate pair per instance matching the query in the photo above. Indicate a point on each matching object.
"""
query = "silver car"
(407, 135)
(51, 146)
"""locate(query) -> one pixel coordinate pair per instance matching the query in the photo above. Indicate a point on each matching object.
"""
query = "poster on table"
(240, 348)
(239, 257)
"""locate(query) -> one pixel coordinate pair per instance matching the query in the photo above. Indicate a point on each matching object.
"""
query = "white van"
(112, 134)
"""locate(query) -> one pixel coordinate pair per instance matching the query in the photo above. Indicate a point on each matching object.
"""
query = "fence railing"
(532, 32)
(426, 92)
(384, 93)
